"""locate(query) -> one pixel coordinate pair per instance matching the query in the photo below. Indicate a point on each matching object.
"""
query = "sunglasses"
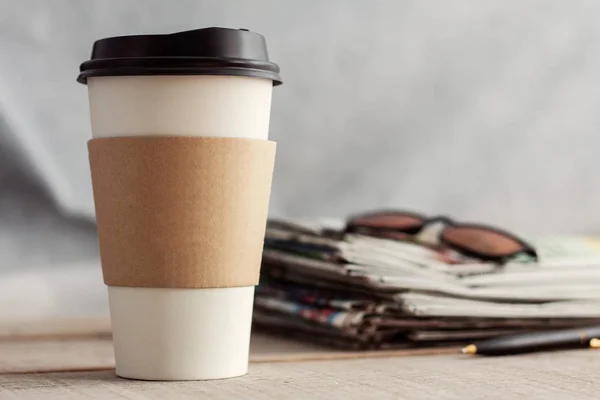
(473, 240)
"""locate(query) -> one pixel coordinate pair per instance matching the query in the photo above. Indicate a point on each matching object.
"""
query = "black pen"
(536, 341)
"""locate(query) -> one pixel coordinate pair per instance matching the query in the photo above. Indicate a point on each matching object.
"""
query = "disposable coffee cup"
(181, 170)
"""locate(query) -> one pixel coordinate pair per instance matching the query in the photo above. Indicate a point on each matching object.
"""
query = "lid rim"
(181, 71)
(176, 62)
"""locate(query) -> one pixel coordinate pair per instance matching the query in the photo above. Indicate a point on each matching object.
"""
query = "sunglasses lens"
(482, 241)
(387, 221)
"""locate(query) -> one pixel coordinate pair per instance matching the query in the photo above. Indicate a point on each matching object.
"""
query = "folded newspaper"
(363, 292)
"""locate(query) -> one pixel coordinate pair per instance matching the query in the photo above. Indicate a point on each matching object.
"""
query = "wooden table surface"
(282, 369)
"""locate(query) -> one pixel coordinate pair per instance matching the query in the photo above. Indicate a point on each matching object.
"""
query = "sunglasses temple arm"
(532, 252)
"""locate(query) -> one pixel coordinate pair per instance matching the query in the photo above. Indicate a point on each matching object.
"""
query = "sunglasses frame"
(448, 222)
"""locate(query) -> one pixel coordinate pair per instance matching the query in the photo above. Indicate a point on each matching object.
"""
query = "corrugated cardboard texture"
(181, 212)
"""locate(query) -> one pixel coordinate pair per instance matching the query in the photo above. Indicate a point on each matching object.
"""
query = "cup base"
(167, 379)
(168, 334)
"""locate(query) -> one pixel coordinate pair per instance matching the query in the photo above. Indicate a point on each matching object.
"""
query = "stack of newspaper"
(358, 291)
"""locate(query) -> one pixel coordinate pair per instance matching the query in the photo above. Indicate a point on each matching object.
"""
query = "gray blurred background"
(484, 110)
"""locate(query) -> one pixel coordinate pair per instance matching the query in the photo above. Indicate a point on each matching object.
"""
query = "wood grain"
(56, 328)
(552, 376)
(83, 344)
(284, 369)
(93, 354)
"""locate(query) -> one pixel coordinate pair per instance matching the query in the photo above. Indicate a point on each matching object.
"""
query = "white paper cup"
(212, 82)
(168, 333)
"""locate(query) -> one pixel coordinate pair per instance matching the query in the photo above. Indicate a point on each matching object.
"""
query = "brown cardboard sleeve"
(181, 212)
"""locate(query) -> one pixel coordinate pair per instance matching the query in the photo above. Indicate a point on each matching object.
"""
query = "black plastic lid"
(208, 51)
